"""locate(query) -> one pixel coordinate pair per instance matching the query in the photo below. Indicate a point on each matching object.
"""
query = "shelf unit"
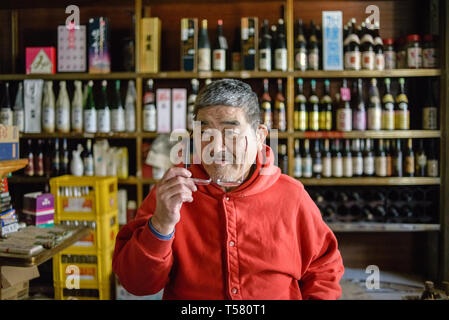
(292, 11)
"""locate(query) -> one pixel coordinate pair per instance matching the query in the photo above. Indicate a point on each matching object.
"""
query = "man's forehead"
(220, 113)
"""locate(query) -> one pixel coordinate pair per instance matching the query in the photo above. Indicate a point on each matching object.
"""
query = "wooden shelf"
(395, 73)
(372, 134)
(111, 135)
(11, 165)
(71, 76)
(371, 181)
(25, 180)
(381, 227)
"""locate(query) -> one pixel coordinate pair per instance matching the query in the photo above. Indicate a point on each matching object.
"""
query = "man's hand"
(172, 190)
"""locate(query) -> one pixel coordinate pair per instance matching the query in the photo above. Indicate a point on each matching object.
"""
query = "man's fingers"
(175, 171)
(168, 194)
(178, 180)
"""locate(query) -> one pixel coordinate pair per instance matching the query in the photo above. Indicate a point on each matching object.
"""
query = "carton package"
(332, 40)
(163, 103)
(179, 108)
(72, 49)
(40, 60)
(33, 103)
(9, 142)
(249, 42)
(151, 44)
(15, 282)
(189, 44)
(98, 45)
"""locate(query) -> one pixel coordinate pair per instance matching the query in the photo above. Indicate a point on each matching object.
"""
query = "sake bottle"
(77, 108)
(18, 111)
(130, 107)
(48, 108)
(63, 109)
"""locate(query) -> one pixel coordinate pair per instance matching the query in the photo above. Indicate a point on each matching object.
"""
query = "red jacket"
(264, 240)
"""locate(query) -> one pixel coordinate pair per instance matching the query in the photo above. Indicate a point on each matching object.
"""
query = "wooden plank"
(382, 227)
(373, 134)
(368, 181)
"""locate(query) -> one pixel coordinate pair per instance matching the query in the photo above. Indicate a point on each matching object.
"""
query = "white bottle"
(149, 109)
(117, 112)
(18, 112)
(76, 166)
(103, 112)
(130, 107)
(63, 109)
(90, 112)
(48, 108)
(77, 108)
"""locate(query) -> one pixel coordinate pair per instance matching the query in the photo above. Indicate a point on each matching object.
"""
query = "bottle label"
(118, 120)
(104, 120)
(368, 166)
(88, 166)
(390, 59)
(236, 61)
(368, 60)
(374, 118)
(421, 160)
(297, 171)
(317, 167)
(430, 118)
(6, 117)
(300, 118)
(359, 120)
(77, 119)
(313, 59)
(325, 120)
(18, 119)
(90, 120)
(327, 167)
(380, 61)
(432, 168)
(204, 59)
(402, 117)
(347, 167)
(314, 121)
(307, 167)
(388, 117)
(149, 119)
(430, 58)
(344, 119)
(282, 125)
(414, 57)
(265, 59)
(337, 167)
(280, 62)
(130, 119)
(219, 60)
(301, 59)
(352, 60)
(410, 165)
(62, 119)
(357, 166)
(266, 109)
(48, 118)
(381, 166)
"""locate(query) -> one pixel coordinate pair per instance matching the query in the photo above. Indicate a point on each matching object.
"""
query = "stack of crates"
(86, 201)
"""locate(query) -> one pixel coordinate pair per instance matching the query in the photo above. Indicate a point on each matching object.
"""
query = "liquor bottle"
(347, 160)
(48, 108)
(6, 113)
(297, 170)
(88, 159)
(103, 111)
(409, 160)
(63, 109)
(56, 163)
(368, 159)
(398, 160)
(265, 48)
(402, 115)
(39, 160)
(313, 49)
(90, 112)
(379, 60)
(130, 107)
(388, 108)
(325, 116)
(300, 48)
(274, 36)
(374, 107)
(236, 52)
(381, 160)
(317, 162)
(266, 105)
(359, 110)
(279, 112)
(280, 50)
(327, 160)
(357, 158)
(29, 170)
(352, 48)
(337, 160)
(149, 108)
(300, 113)
(367, 48)
(389, 158)
(77, 108)
(64, 160)
(18, 111)
(314, 111)
(344, 112)
(204, 63)
(432, 160)
(117, 111)
(220, 49)
(421, 161)
(284, 159)
(48, 156)
(306, 160)
(191, 103)
(430, 110)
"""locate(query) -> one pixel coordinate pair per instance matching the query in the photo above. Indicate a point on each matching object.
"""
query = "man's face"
(231, 145)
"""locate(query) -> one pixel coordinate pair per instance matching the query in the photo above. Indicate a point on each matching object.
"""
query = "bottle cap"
(413, 37)
(388, 41)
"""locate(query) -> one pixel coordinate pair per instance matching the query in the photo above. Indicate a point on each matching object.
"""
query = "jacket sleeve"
(322, 265)
(141, 260)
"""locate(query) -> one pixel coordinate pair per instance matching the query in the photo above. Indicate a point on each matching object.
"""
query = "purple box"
(38, 202)
(33, 219)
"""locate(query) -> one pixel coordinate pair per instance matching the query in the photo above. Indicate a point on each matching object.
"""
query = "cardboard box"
(179, 108)
(163, 110)
(249, 42)
(151, 45)
(98, 45)
(15, 282)
(40, 60)
(72, 49)
(189, 44)
(332, 40)
(33, 104)
(39, 202)
(9, 142)
(19, 291)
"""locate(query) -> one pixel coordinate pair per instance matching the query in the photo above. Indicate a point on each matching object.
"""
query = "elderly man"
(229, 229)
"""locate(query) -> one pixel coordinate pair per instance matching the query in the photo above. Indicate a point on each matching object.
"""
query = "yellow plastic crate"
(104, 291)
(85, 198)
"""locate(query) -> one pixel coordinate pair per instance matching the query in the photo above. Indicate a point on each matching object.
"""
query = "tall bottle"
(117, 112)
(266, 106)
(191, 103)
(367, 48)
(297, 168)
(379, 60)
(359, 112)
(325, 116)
(402, 114)
(88, 159)
(149, 108)
(29, 169)
(388, 108)
(283, 159)
(103, 112)
(18, 111)
(398, 159)
(48, 108)
(368, 159)
(337, 160)
(313, 113)
(313, 50)
(300, 112)
(130, 107)
(6, 113)
(352, 48)
(90, 111)
(409, 160)
(77, 108)
(432, 160)
(39, 160)
(306, 160)
(265, 48)
(64, 158)
(274, 36)
(204, 63)
(317, 162)
(421, 161)
(347, 160)
(374, 107)
(63, 109)
(56, 161)
(220, 49)
(430, 110)
(357, 158)
(280, 50)
(300, 48)
(344, 112)
(327, 160)
(279, 111)
(381, 160)
(388, 152)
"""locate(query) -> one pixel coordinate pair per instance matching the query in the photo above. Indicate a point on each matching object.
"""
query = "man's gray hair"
(231, 93)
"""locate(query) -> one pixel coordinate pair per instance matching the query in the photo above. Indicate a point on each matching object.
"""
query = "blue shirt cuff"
(157, 234)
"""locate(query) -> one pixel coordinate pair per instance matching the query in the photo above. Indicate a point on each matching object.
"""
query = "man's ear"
(261, 135)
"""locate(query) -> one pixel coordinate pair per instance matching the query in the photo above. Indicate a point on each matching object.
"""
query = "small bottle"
(266, 106)
(300, 112)
(367, 48)
(6, 112)
(432, 160)
(402, 113)
(39, 160)
(368, 159)
(265, 48)
(414, 51)
(117, 111)
(48, 108)
(327, 160)
(280, 120)
(430, 110)
(374, 107)
(18, 111)
(29, 170)
(280, 51)
(90, 111)
(103, 111)
(398, 159)
(306, 160)
(149, 109)
(63, 109)
(347, 160)
(317, 162)
(325, 116)
(421, 161)
(77, 108)
(284, 159)
(130, 107)
(409, 160)
(381, 160)
(300, 48)
(359, 111)
(56, 162)
(389, 158)
(64, 161)
(204, 54)
(337, 160)
(344, 112)
(389, 54)
(88, 160)
(297, 170)
(357, 159)
(388, 108)
(220, 49)
(313, 50)
(314, 109)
